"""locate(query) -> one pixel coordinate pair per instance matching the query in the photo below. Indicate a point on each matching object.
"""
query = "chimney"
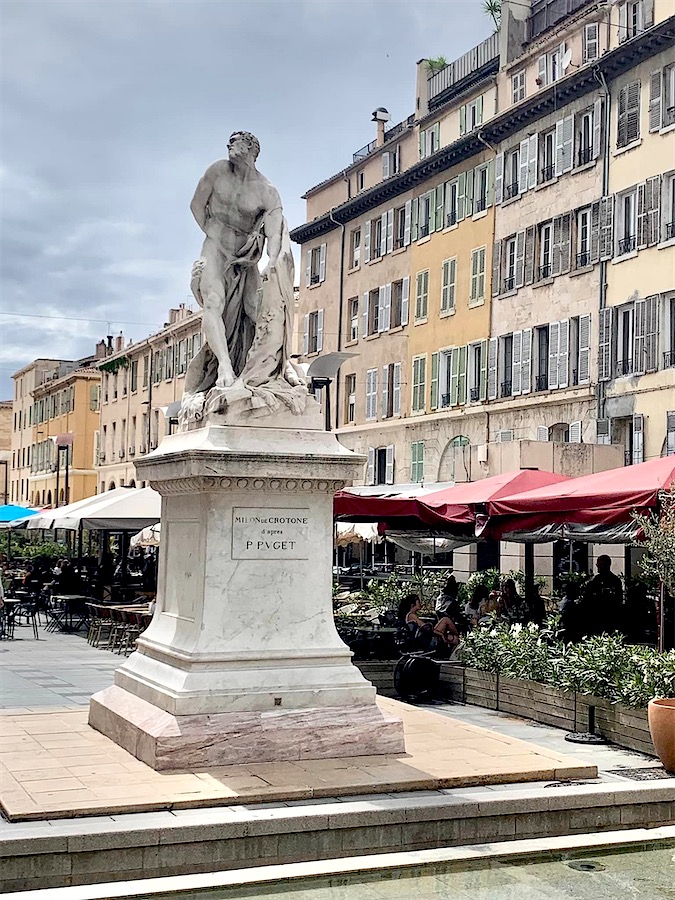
(109, 339)
(380, 116)
(119, 342)
(101, 350)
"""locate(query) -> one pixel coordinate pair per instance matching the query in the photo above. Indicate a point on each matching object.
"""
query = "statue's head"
(243, 143)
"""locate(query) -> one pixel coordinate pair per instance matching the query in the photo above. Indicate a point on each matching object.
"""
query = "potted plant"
(658, 539)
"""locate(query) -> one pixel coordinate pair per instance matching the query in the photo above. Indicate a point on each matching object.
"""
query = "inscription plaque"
(262, 533)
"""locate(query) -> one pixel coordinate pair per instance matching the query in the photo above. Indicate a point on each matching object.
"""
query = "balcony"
(451, 219)
(505, 390)
(669, 359)
(479, 204)
(468, 67)
(424, 230)
(389, 134)
(670, 230)
(544, 272)
(583, 260)
(509, 284)
(584, 156)
(510, 190)
(445, 399)
(547, 174)
(575, 377)
(541, 383)
(668, 116)
(313, 279)
(474, 394)
(626, 245)
(624, 367)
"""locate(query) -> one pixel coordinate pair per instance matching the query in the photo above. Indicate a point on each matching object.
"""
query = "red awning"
(452, 507)
(605, 498)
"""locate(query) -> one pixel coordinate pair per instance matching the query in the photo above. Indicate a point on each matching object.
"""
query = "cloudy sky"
(112, 109)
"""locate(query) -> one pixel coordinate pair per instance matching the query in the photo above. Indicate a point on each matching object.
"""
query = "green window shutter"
(461, 375)
(434, 380)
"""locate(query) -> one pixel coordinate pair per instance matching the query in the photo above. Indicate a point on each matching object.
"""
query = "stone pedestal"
(242, 661)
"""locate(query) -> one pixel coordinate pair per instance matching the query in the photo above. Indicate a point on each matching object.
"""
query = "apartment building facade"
(504, 245)
(140, 385)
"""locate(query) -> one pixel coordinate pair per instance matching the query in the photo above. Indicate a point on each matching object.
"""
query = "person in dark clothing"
(68, 582)
(570, 613)
(602, 606)
(447, 604)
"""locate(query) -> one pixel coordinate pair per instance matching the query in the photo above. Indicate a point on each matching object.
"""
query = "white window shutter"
(499, 178)
(553, 340)
(542, 432)
(366, 241)
(308, 269)
(319, 330)
(575, 432)
(568, 144)
(520, 259)
(322, 263)
(526, 362)
(407, 222)
(423, 143)
(602, 432)
(655, 83)
(454, 376)
(642, 218)
(405, 300)
(490, 184)
(365, 314)
(597, 127)
(461, 196)
(607, 227)
(462, 120)
(370, 466)
(434, 380)
(652, 309)
(559, 147)
(390, 230)
(482, 375)
(380, 308)
(496, 267)
(382, 249)
(524, 169)
(563, 353)
(556, 248)
(414, 219)
(396, 403)
(386, 164)
(438, 213)
(623, 22)
(639, 337)
(387, 307)
(584, 373)
(445, 285)
(533, 156)
(492, 385)
(653, 204)
(541, 71)
(470, 180)
(385, 391)
(638, 438)
(595, 232)
(389, 472)
(605, 344)
(530, 256)
(516, 371)
(305, 334)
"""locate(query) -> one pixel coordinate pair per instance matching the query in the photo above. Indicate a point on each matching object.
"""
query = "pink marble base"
(164, 741)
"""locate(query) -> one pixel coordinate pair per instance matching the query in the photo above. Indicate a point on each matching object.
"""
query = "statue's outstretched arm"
(273, 224)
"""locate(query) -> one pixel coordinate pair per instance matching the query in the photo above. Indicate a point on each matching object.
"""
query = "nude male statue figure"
(237, 209)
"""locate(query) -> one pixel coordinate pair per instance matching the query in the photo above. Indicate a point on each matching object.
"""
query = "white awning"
(123, 509)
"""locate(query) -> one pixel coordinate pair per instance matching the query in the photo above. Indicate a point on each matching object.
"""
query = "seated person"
(68, 582)
(442, 635)
(447, 604)
(511, 605)
(472, 607)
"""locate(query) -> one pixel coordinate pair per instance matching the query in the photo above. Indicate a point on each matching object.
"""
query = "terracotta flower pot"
(661, 716)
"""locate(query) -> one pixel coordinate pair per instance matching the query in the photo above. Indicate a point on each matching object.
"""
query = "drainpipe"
(340, 314)
(602, 296)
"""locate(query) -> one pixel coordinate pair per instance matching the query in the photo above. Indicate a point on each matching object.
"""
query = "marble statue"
(243, 368)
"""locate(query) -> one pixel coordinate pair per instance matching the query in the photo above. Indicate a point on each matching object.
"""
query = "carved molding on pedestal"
(205, 483)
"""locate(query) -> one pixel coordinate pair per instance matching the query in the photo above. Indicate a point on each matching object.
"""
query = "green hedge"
(603, 666)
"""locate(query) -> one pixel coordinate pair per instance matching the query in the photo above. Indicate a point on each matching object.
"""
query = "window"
(549, 67)
(355, 248)
(316, 265)
(371, 394)
(506, 357)
(477, 371)
(391, 390)
(448, 285)
(430, 140)
(471, 116)
(360, 181)
(426, 211)
(134, 376)
(353, 305)
(627, 224)
(631, 19)
(451, 203)
(591, 42)
(628, 119)
(541, 363)
(146, 371)
(391, 162)
(584, 237)
(399, 228)
(624, 343)
(380, 468)
(313, 332)
(350, 398)
(377, 238)
(669, 207)
(480, 188)
(518, 87)
(545, 250)
(399, 302)
(417, 462)
(511, 173)
(669, 95)
(510, 264)
(94, 397)
(584, 137)
(419, 375)
(422, 294)
(477, 294)
(373, 311)
(547, 144)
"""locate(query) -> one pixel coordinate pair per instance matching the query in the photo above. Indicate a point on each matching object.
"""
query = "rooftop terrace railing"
(456, 71)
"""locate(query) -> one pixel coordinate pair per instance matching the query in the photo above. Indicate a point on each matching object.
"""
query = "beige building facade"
(139, 384)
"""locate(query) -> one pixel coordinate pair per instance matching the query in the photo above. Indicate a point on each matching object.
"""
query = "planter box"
(380, 673)
(549, 705)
